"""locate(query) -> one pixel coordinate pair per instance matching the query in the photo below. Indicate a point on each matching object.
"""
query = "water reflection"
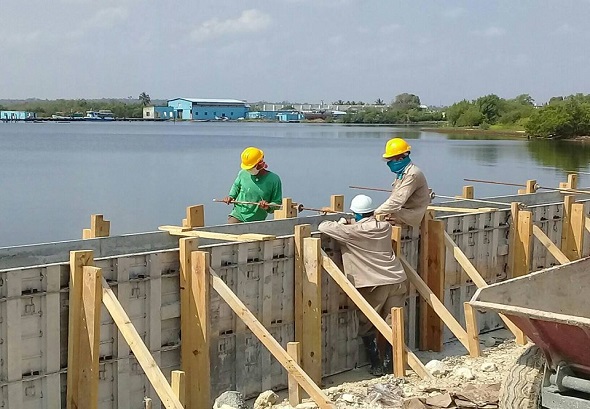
(566, 155)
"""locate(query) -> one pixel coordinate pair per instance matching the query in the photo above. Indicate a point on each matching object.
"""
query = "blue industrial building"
(209, 109)
(8, 116)
(158, 112)
(281, 116)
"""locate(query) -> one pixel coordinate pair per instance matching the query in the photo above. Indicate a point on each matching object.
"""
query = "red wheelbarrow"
(552, 307)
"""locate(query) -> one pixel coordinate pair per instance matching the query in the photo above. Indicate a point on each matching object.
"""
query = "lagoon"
(53, 176)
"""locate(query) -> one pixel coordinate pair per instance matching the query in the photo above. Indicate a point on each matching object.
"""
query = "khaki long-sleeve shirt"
(409, 198)
(367, 253)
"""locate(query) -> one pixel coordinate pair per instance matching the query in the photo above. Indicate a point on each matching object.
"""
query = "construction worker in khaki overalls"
(410, 196)
(372, 267)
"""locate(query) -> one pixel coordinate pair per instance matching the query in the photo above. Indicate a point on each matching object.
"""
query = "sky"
(303, 51)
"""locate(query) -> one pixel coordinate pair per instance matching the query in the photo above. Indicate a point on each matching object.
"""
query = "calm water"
(142, 175)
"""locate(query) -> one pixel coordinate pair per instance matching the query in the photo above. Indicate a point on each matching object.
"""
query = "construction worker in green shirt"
(254, 183)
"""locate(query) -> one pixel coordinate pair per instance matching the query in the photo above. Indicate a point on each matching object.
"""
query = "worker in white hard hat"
(256, 185)
(372, 267)
(410, 195)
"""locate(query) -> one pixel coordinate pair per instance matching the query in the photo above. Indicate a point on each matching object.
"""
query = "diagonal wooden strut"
(269, 342)
(379, 323)
(553, 249)
(476, 278)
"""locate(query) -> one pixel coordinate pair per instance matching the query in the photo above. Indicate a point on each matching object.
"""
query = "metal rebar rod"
(243, 202)
(554, 189)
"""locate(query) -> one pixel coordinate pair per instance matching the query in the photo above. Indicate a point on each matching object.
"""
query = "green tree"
(472, 116)
(379, 101)
(405, 101)
(145, 99)
(454, 112)
(490, 107)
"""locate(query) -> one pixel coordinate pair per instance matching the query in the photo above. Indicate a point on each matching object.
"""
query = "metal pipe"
(492, 182)
(300, 208)
(571, 382)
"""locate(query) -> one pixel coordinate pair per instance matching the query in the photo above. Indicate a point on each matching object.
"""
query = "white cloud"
(388, 29)
(491, 32)
(107, 17)
(454, 12)
(248, 22)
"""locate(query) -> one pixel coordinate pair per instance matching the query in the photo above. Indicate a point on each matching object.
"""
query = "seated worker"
(410, 196)
(254, 183)
(372, 267)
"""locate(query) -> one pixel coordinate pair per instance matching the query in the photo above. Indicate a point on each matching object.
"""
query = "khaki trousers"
(382, 298)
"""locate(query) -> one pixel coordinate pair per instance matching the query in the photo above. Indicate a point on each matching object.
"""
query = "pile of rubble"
(459, 382)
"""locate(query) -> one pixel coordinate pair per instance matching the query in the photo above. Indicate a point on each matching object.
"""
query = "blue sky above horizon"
(294, 50)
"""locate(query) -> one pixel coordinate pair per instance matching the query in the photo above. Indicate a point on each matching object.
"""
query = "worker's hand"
(263, 204)
(228, 199)
(342, 221)
(325, 210)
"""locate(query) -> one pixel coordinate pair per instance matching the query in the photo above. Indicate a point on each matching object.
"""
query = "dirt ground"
(359, 389)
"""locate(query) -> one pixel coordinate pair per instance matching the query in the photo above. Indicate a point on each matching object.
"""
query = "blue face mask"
(398, 166)
(358, 217)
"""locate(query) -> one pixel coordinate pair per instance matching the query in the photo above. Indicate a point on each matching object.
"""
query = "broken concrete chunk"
(414, 403)
(440, 401)
(230, 399)
(265, 400)
(489, 367)
(437, 368)
(464, 373)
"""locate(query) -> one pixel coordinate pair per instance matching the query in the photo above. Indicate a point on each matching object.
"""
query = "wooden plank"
(337, 203)
(572, 181)
(472, 330)
(523, 244)
(294, 351)
(311, 349)
(553, 249)
(379, 323)
(435, 279)
(180, 231)
(436, 304)
(530, 186)
(468, 192)
(301, 231)
(398, 335)
(177, 382)
(143, 356)
(577, 226)
(396, 240)
(567, 234)
(200, 324)
(270, 343)
(78, 259)
(287, 210)
(89, 337)
(99, 227)
(462, 209)
(195, 216)
(186, 248)
(423, 270)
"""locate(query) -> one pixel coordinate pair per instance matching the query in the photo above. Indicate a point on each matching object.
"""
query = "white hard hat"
(362, 204)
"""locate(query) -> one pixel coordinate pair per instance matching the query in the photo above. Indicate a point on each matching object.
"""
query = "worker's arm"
(276, 196)
(235, 188)
(399, 196)
(338, 231)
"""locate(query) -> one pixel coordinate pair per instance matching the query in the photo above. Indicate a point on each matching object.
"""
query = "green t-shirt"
(249, 188)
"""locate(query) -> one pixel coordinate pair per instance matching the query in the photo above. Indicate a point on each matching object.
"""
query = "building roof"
(211, 101)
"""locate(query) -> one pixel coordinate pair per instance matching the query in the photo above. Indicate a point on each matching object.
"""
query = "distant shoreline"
(477, 131)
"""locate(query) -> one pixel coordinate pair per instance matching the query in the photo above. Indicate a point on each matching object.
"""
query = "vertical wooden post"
(195, 216)
(572, 181)
(178, 385)
(531, 186)
(577, 223)
(89, 337)
(472, 330)
(432, 338)
(337, 203)
(468, 192)
(311, 349)
(186, 247)
(423, 271)
(567, 234)
(301, 231)
(400, 356)
(199, 385)
(523, 244)
(294, 351)
(286, 211)
(396, 240)
(98, 227)
(78, 259)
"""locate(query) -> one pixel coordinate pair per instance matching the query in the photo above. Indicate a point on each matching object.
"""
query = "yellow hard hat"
(250, 157)
(396, 146)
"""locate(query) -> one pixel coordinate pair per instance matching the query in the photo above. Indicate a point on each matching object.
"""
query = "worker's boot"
(388, 360)
(373, 354)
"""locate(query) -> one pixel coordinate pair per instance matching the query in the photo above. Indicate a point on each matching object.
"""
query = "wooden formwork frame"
(88, 290)
(99, 227)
